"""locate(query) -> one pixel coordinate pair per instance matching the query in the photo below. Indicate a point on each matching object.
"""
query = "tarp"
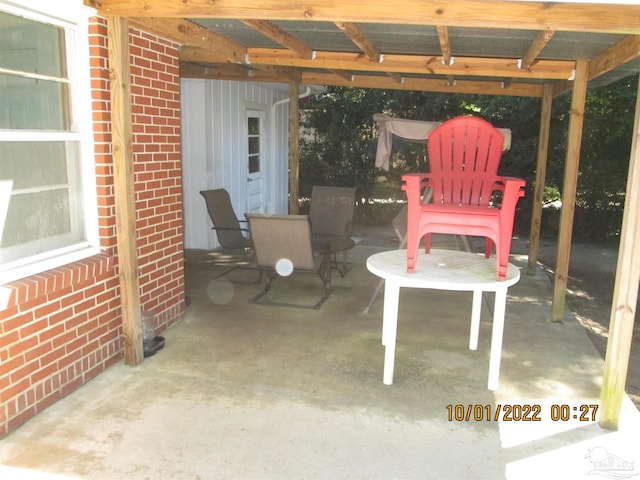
(411, 130)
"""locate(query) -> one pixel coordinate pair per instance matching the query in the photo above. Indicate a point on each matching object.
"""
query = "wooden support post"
(122, 151)
(625, 293)
(569, 189)
(294, 154)
(541, 171)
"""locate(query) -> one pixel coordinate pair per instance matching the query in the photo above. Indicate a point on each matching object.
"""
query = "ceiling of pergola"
(465, 46)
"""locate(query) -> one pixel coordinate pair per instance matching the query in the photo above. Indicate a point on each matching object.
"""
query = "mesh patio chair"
(283, 246)
(331, 214)
(232, 237)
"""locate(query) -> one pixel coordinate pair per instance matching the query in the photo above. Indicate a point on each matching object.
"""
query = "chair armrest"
(512, 190)
(230, 228)
(412, 182)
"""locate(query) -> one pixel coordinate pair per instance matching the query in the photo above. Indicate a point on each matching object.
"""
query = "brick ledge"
(77, 273)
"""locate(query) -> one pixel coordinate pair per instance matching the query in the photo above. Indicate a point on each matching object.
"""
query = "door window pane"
(253, 127)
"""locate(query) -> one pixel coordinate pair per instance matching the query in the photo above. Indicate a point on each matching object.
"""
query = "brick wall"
(155, 89)
(64, 326)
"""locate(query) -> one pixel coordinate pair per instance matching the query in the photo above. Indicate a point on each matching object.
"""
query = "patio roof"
(492, 47)
(520, 48)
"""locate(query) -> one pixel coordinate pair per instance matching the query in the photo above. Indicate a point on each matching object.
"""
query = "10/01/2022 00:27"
(520, 412)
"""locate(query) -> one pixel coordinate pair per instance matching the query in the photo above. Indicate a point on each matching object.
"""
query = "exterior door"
(255, 160)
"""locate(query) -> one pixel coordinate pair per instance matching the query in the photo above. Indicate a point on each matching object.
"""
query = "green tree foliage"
(339, 143)
(339, 136)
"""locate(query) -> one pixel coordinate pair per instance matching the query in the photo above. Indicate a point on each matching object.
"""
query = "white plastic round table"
(443, 270)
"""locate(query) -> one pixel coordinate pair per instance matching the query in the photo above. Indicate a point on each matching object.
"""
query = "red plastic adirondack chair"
(469, 198)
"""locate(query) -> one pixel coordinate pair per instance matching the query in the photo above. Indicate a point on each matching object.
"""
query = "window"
(47, 186)
(254, 131)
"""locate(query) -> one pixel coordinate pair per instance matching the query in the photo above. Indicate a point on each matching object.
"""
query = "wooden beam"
(294, 153)
(123, 186)
(191, 54)
(286, 74)
(358, 37)
(541, 41)
(345, 74)
(197, 71)
(569, 190)
(541, 172)
(188, 33)
(625, 292)
(423, 84)
(278, 35)
(225, 71)
(568, 16)
(417, 64)
(622, 52)
(396, 77)
(508, 82)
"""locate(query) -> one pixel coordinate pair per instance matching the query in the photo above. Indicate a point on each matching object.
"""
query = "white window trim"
(74, 17)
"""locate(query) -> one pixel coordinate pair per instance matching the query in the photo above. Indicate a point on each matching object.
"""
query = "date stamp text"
(521, 412)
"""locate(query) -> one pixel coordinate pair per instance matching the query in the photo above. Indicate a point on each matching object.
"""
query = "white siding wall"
(214, 146)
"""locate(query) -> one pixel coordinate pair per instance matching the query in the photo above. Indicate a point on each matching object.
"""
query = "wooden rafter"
(538, 44)
(358, 37)
(622, 52)
(445, 48)
(569, 16)
(188, 33)
(278, 35)
(445, 44)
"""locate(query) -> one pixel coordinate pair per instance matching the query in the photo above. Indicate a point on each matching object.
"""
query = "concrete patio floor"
(253, 391)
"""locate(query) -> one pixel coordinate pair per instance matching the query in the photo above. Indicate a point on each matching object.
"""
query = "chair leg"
(346, 266)
(270, 277)
(427, 243)
(487, 248)
(412, 248)
(325, 272)
(502, 256)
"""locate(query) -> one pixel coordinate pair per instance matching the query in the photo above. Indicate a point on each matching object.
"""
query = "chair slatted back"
(464, 155)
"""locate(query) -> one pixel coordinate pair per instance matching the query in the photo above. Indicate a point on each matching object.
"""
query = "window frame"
(73, 18)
